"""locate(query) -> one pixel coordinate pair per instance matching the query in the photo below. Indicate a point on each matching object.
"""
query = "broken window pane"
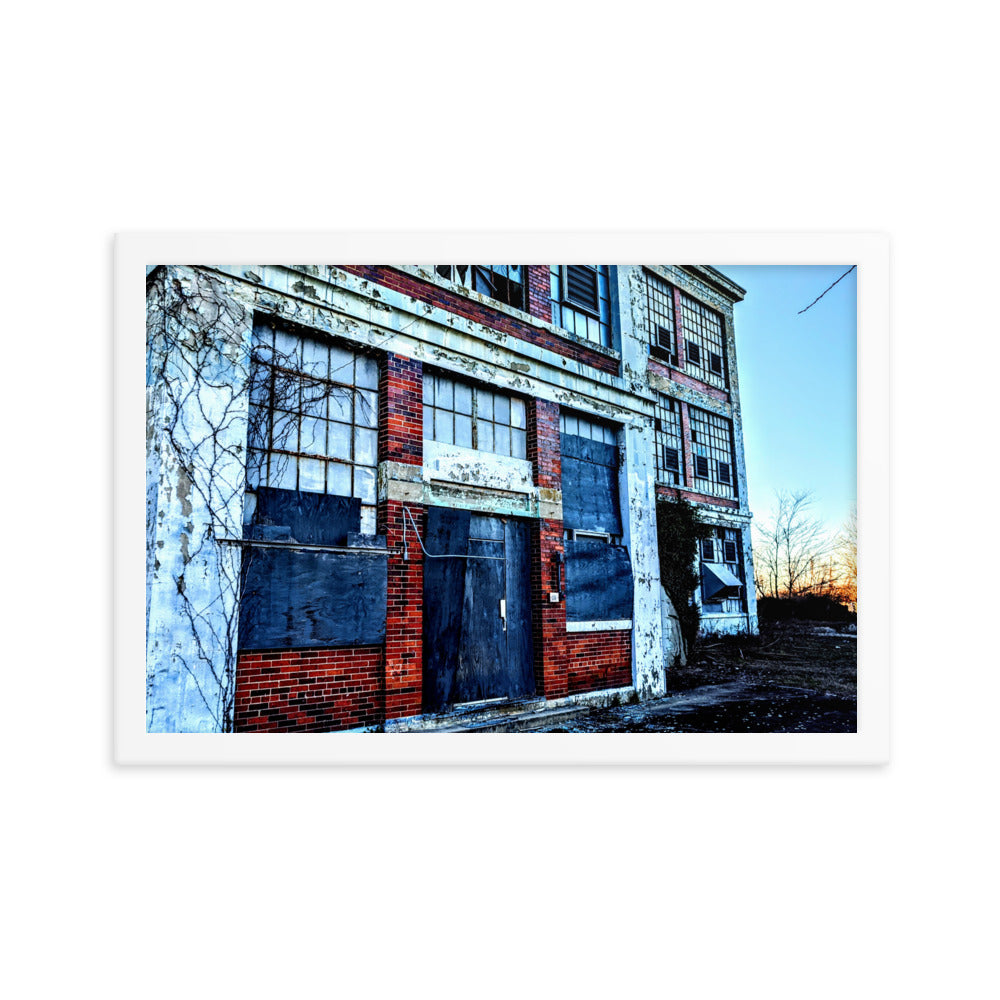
(366, 408)
(517, 413)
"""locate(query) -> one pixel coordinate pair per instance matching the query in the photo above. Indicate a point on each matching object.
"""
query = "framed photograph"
(585, 513)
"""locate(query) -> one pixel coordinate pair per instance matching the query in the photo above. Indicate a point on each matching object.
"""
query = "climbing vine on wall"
(216, 397)
(679, 529)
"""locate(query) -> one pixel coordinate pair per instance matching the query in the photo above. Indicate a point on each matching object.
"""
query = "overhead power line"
(818, 297)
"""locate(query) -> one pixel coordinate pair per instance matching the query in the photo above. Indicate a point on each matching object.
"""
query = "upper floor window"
(660, 318)
(313, 418)
(503, 282)
(669, 446)
(712, 453)
(704, 343)
(722, 571)
(473, 416)
(581, 302)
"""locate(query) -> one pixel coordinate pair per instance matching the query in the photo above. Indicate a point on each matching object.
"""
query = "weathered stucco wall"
(200, 336)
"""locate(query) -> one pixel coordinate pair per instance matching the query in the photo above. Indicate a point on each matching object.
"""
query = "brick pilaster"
(539, 291)
(404, 629)
(401, 439)
(548, 619)
(401, 413)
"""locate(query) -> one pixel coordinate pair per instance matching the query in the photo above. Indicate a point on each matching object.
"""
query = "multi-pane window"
(712, 453)
(660, 317)
(704, 344)
(581, 302)
(571, 423)
(722, 572)
(313, 418)
(473, 416)
(503, 282)
(669, 446)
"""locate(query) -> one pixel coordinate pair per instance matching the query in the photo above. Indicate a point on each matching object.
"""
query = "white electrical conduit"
(431, 555)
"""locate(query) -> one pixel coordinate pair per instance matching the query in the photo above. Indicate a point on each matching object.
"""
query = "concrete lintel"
(619, 625)
(690, 395)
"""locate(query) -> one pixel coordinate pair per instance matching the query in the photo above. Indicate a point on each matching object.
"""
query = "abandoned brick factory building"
(376, 495)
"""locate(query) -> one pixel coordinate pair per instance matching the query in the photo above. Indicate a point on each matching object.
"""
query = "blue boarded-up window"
(599, 584)
(589, 475)
(598, 581)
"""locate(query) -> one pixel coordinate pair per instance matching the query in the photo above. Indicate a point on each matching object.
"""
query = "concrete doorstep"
(496, 716)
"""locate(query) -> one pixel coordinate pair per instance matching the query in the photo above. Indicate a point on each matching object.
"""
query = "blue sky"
(798, 384)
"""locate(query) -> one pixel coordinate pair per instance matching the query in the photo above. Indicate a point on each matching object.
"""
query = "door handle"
(503, 613)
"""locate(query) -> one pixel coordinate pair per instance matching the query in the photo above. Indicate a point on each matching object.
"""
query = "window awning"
(718, 582)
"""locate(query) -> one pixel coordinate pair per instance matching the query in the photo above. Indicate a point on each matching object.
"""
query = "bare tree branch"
(837, 282)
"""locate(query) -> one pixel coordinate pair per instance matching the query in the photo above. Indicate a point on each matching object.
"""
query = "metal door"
(477, 624)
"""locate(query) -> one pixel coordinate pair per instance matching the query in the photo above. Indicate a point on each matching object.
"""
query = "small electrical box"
(554, 597)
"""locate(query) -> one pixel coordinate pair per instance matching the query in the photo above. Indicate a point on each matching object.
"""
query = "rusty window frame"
(488, 280)
(713, 443)
(704, 332)
(660, 318)
(440, 404)
(575, 317)
(721, 538)
(304, 380)
(585, 426)
(668, 435)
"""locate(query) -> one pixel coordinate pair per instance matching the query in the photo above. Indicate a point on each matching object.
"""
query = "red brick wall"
(400, 410)
(308, 690)
(404, 639)
(424, 291)
(544, 451)
(401, 439)
(596, 661)
(548, 620)
(539, 291)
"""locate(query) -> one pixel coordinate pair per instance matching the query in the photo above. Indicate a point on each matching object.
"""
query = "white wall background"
(712, 882)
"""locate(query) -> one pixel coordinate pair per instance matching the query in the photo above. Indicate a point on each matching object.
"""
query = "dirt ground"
(814, 656)
(796, 677)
